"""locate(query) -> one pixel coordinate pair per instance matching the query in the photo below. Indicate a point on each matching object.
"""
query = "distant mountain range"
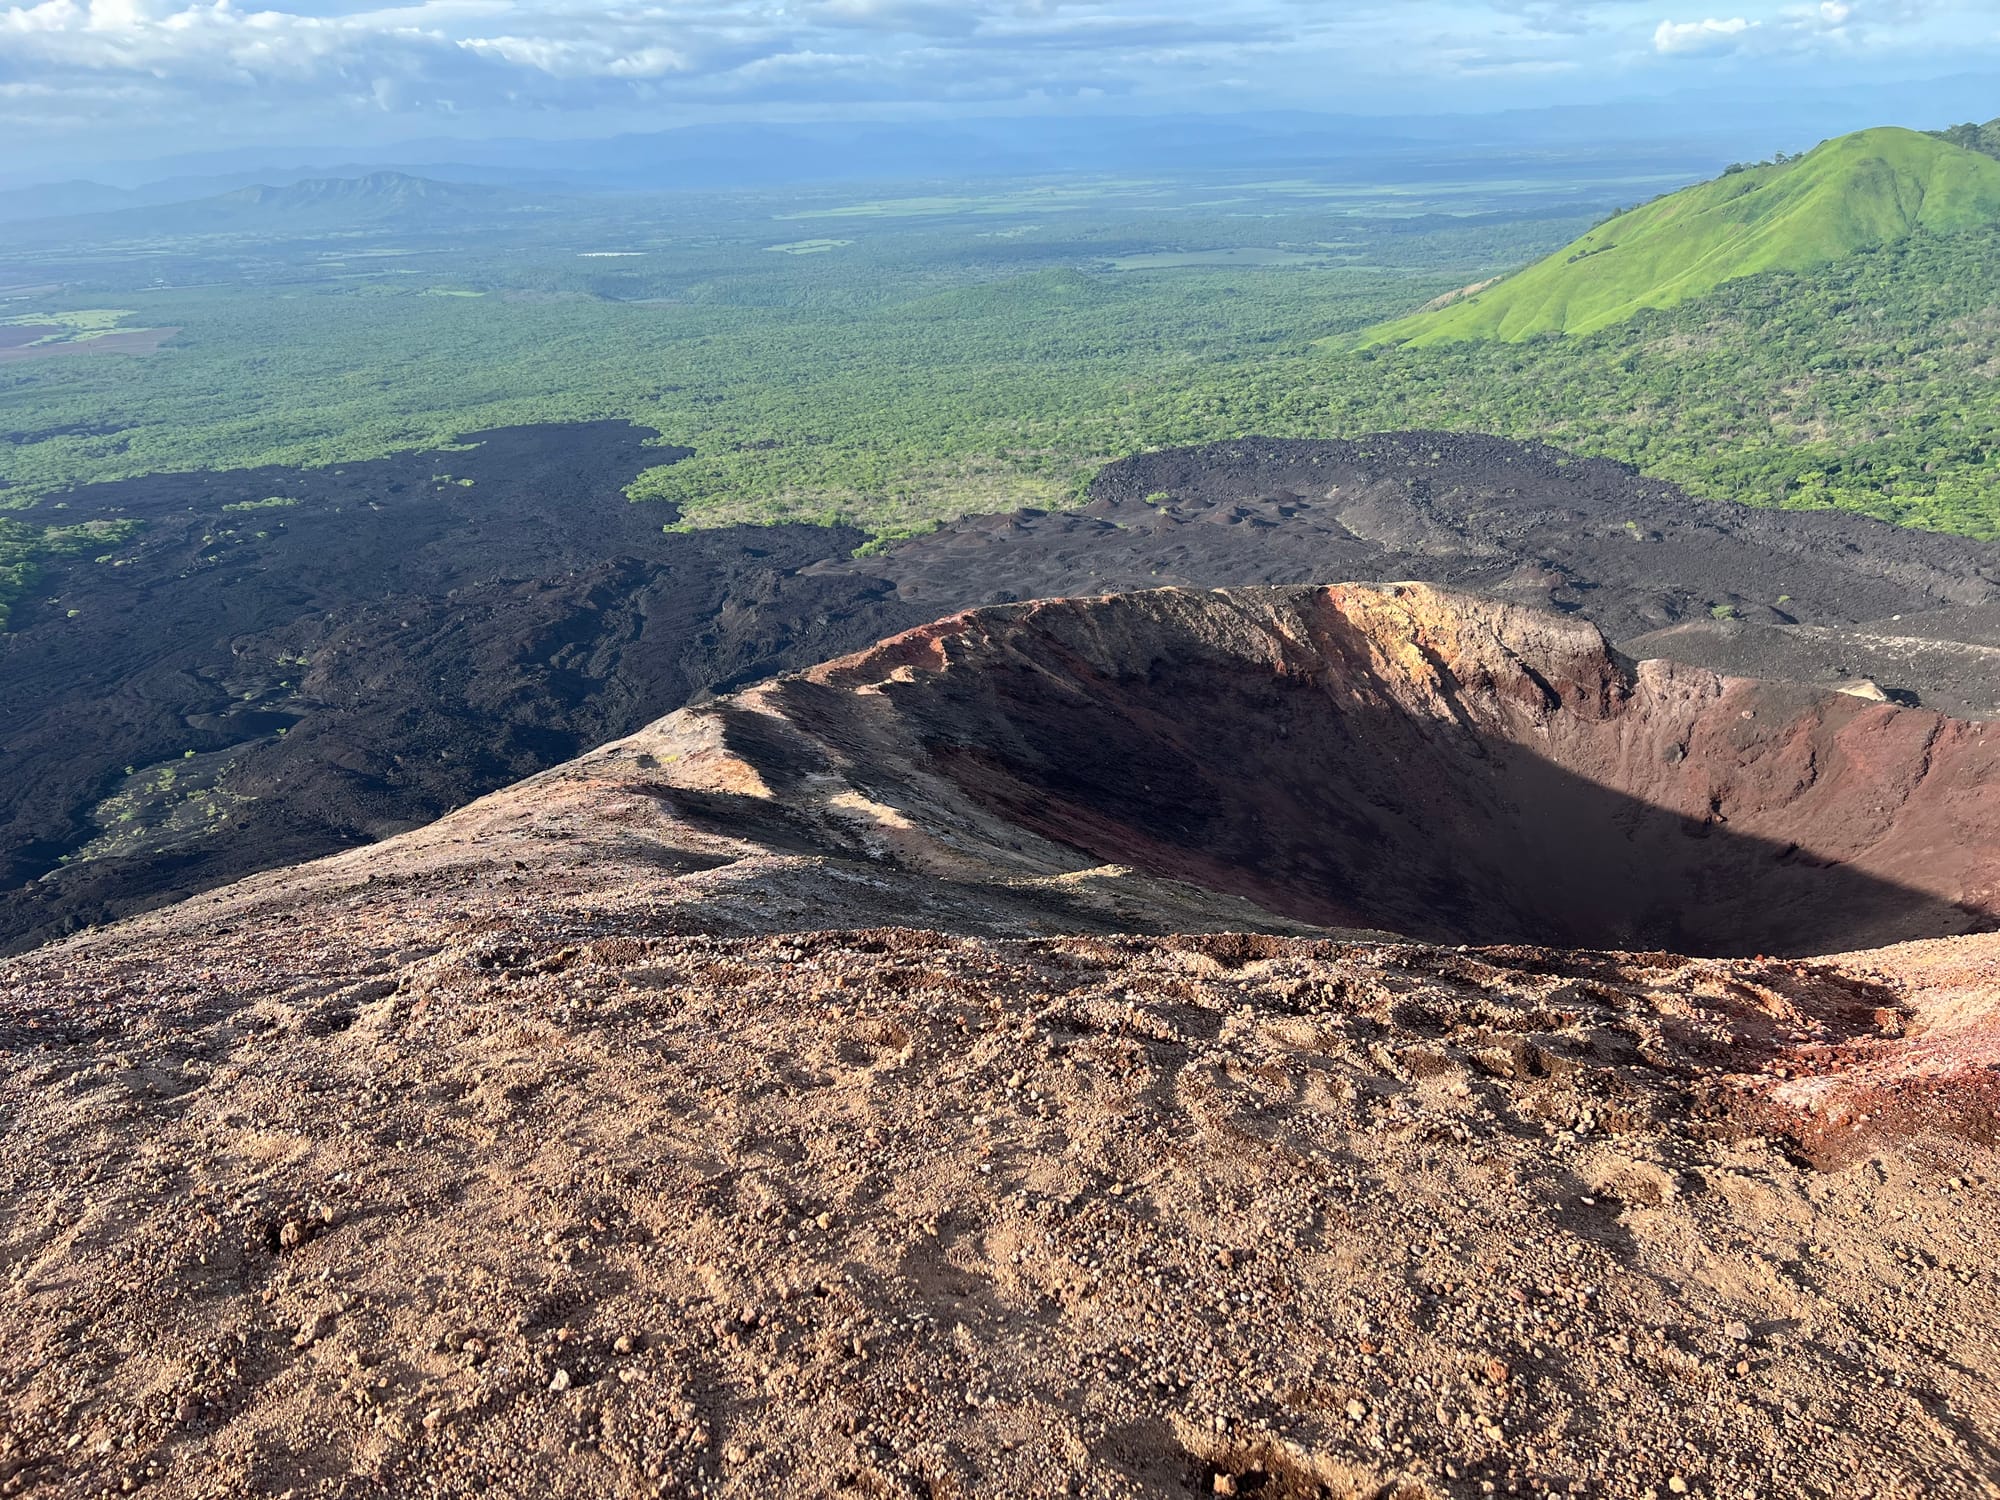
(71, 199)
(314, 202)
(376, 193)
(1699, 128)
(1678, 136)
(1856, 192)
(1674, 135)
(720, 157)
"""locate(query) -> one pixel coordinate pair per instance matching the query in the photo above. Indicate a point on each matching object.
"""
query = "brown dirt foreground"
(530, 1154)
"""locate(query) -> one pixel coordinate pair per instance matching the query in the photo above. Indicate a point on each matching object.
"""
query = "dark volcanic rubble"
(1514, 520)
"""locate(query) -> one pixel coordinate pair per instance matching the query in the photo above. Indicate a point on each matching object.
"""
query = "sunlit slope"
(1854, 192)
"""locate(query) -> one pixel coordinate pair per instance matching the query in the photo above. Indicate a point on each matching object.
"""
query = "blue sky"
(150, 76)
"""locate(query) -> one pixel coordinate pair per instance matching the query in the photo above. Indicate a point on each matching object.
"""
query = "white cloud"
(234, 69)
(1701, 36)
(583, 57)
(1830, 27)
(905, 17)
(213, 40)
(303, 65)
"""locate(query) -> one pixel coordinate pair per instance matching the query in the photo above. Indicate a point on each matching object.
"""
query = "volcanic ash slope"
(789, 1100)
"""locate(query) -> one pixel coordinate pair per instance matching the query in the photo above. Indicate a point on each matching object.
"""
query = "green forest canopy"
(899, 380)
(1984, 138)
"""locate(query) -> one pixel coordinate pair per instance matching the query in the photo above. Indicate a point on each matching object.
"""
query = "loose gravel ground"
(533, 1206)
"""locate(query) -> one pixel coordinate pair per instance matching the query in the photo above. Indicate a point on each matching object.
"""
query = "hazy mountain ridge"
(372, 190)
(372, 197)
(1852, 193)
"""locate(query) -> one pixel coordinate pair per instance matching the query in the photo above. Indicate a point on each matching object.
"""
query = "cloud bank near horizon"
(213, 71)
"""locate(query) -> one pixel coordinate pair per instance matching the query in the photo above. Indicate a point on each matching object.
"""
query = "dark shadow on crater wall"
(1270, 790)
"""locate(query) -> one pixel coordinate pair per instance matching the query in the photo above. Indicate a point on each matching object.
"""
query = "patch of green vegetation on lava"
(159, 807)
(25, 547)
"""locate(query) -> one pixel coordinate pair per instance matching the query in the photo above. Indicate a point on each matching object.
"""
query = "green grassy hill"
(1852, 193)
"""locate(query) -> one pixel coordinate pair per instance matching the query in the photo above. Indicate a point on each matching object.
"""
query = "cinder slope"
(571, 1147)
(1850, 193)
(430, 1196)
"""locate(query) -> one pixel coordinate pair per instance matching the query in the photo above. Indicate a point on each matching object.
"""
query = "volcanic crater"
(1443, 766)
(1005, 1061)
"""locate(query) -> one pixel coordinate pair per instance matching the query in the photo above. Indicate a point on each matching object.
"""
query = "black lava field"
(253, 684)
